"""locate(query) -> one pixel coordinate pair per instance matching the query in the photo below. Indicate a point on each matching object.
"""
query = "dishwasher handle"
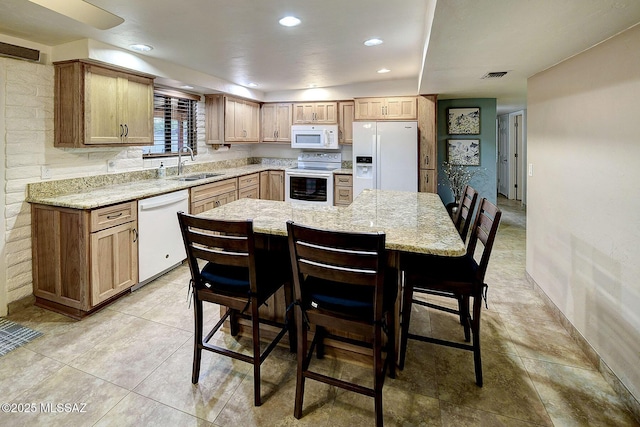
(160, 201)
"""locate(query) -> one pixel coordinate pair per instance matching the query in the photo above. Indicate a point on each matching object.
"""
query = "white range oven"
(312, 181)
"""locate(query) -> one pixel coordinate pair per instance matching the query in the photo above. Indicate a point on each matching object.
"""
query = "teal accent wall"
(485, 182)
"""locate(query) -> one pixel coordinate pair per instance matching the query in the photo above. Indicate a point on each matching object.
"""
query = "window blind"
(174, 123)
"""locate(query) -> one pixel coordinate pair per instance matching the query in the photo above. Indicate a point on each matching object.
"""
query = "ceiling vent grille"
(494, 75)
(19, 52)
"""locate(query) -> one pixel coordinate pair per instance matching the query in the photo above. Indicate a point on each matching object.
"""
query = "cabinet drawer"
(249, 192)
(343, 180)
(343, 196)
(113, 215)
(207, 191)
(248, 180)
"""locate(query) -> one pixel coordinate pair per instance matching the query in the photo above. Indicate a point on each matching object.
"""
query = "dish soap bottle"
(161, 171)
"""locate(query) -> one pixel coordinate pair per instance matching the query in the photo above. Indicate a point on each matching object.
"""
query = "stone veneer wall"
(27, 99)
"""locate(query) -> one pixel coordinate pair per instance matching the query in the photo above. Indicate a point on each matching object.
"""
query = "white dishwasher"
(160, 246)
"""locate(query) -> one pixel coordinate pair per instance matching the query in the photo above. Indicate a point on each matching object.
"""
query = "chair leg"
(391, 343)
(407, 298)
(378, 373)
(233, 323)
(463, 306)
(197, 339)
(255, 331)
(290, 318)
(475, 329)
(320, 332)
(302, 342)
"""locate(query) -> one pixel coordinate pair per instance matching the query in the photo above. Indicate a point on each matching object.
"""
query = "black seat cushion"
(347, 300)
(226, 278)
(273, 269)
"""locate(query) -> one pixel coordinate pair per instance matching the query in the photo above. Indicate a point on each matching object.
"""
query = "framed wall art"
(463, 152)
(463, 121)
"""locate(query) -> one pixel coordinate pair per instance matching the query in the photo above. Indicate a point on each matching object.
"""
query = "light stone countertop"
(123, 192)
(413, 222)
(104, 195)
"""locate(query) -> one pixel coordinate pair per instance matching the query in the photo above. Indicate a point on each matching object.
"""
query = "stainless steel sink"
(197, 176)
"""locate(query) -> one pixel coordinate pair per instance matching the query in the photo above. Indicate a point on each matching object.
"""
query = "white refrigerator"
(385, 156)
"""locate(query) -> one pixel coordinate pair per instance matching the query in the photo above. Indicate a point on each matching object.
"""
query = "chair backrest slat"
(350, 258)
(230, 243)
(485, 228)
(464, 214)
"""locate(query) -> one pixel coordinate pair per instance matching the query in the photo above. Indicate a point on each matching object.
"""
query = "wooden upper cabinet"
(241, 120)
(315, 112)
(99, 105)
(395, 108)
(214, 119)
(345, 121)
(276, 122)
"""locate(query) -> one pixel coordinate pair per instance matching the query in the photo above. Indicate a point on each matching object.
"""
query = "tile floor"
(130, 364)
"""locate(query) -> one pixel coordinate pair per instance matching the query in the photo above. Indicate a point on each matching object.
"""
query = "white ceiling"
(240, 41)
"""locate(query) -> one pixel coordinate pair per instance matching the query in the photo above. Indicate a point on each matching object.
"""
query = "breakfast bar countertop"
(413, 222)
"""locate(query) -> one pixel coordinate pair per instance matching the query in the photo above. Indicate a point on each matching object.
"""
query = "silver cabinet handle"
(135, 235)
(114, 216)
(126, 130)
(121, 131)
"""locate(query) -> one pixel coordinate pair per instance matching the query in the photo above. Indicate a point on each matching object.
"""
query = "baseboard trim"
(628, 398)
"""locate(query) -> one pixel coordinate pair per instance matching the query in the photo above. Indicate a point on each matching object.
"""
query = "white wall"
(583, 201)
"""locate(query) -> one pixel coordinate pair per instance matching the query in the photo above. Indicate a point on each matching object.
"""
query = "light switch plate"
(530, 169)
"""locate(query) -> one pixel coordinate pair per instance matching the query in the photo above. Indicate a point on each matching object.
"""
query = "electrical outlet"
(530, 169)
(111, 165)
(45, 172)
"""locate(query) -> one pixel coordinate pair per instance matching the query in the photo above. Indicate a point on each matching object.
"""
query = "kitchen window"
(174, 123)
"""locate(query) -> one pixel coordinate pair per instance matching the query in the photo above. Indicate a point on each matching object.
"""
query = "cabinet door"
(401, 108)
(214, 119)
(276, 185)
(269, 122)
(264, 185)
(103, 106)
(114, 261)
(251, 121)
(326, 112)
(345, 122)
(369, 108)
(233, 130)
(303, 113)
(138, 111)
(283, 122)
(428, 180)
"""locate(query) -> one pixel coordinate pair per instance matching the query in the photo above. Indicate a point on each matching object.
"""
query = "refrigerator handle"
(376, 170)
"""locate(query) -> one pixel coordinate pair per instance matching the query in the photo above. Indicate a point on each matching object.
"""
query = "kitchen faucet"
(180, 162)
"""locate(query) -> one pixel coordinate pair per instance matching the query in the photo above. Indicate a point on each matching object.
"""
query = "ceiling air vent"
(494, 75)
(19, 52)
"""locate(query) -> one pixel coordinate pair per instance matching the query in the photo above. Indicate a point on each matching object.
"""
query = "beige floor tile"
(22, 369)
(547, 341)
(507, 388)
(84, 399)
(131, 353)
(136, 410)
(461, 416)
(171, 384)
(576, 396)
(70, 340)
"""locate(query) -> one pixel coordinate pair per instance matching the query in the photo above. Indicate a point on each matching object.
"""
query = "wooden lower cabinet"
(342, 189)
(272, 185)
(209, 196)
(83, 258)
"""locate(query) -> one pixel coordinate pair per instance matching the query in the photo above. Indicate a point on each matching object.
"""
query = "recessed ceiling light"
(312, 85)
(141, 47)
(373, 42)
(186, 87)
(289, 21)
(252, 84)
(383, 70)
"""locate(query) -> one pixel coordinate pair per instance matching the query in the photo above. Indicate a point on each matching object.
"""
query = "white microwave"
(317, 137)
